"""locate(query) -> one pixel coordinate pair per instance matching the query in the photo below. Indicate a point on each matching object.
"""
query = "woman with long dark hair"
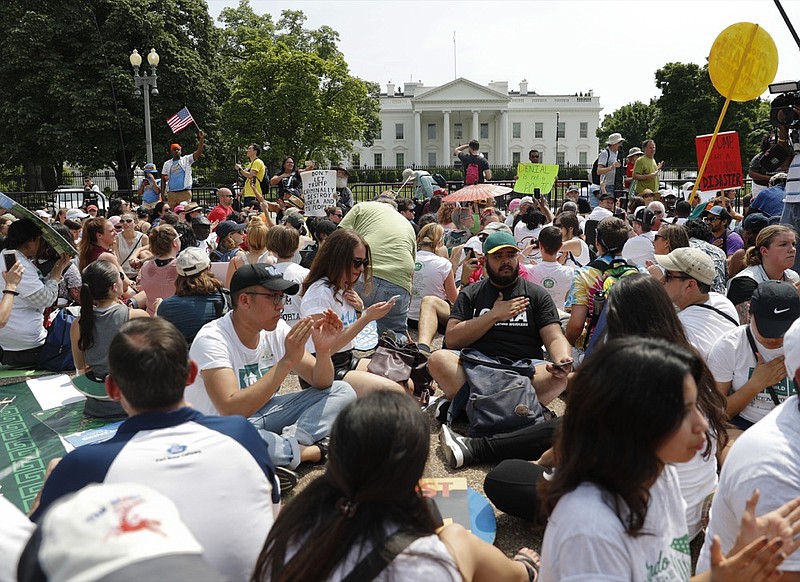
(340, 262)
(614, 505)
(570, 225)
(369, 498)
(102, 314)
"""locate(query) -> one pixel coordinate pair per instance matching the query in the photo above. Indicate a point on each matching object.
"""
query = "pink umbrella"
(476, 192)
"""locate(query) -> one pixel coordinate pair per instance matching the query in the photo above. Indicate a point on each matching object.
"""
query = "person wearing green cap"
(503, 315)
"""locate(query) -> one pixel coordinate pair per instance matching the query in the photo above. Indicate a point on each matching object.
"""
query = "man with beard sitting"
(503, 315)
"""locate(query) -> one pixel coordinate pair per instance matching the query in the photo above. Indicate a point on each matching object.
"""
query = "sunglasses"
(360, 263)
(669, 277)
(128, 220)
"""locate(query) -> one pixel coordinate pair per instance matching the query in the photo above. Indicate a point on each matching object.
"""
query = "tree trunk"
(40, 177)
(123, 172)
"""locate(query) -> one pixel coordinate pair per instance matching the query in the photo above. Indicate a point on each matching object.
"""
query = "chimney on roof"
(390, 89)
(523, 87)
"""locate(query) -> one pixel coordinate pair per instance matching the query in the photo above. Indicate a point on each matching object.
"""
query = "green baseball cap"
(498, 240)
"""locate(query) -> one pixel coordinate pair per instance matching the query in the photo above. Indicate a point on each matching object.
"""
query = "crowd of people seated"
(674, 340)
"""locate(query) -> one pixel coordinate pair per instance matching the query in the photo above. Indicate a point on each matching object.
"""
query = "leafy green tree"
(69, 87)
(634, 121)
(291, 87)
(689, 106)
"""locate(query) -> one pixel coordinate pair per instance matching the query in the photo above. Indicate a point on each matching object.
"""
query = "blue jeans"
(299, 418)
(791, 216)
(382, 290)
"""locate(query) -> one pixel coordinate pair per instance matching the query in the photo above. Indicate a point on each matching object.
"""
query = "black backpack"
(440, 180)
(595, 175)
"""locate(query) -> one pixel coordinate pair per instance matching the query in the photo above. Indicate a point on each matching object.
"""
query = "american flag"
(180, 121)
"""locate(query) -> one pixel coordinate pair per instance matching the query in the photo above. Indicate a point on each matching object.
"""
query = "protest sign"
(319, 191)
(530, 176)
(724, 166)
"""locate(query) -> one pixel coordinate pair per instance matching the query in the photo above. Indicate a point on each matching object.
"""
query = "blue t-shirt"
(177, 176)
(149, 195)
(769, 201)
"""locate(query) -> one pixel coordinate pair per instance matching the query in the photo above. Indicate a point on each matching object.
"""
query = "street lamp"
(150, 82)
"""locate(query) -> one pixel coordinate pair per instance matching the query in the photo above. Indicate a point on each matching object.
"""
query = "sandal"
(532, 562)
(287, 479)
(324, 444)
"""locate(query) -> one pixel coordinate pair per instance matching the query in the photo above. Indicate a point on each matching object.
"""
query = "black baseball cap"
(775, 305)
(226, 227)
(262, 275)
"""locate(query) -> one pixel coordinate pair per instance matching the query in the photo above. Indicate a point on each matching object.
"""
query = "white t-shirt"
(639, 249)
(705, 326)
(554, 278)
(607, 158)
(766, 457)
(732, 360)
(524, 235)
(584, 258)
(14, 534)
(318, 298)
(25, 329)
(599, 213)
(430, 273)
(698, 479)
(218, 346)
(585, 540)
(291, 271)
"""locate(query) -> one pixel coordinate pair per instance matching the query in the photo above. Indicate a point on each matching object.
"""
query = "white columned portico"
(504, 137)
(476, 128)
(447, 153)
(417, 138)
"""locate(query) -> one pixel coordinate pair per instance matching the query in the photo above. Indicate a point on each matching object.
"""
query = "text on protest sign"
(319, 191)
(724, 168)
(530, 176)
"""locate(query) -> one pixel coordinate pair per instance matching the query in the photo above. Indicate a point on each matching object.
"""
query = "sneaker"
(440, 411)
(287, 479)
(455, 448)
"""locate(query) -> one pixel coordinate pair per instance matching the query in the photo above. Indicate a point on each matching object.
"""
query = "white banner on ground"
(319, 191)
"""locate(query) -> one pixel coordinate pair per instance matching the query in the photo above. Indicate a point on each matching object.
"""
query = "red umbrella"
(476, 192)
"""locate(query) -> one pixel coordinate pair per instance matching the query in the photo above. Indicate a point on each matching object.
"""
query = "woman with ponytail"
(102, 314)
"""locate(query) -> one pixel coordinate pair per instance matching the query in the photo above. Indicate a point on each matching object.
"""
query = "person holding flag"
(176, 174)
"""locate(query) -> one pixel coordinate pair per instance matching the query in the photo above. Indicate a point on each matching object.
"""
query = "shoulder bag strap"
(135, 246)
(723, 314)
(752, 342)
(380, 557)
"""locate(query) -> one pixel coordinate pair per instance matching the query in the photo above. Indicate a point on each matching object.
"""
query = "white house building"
(423, 125)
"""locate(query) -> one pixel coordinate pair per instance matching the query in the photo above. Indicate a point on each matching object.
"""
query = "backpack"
(595, 175)
(610, 274)
(56, 353)
(440, 180)
(472, 175)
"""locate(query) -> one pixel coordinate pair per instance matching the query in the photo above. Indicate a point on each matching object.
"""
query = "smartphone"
(563, 365)
(10, 258)
(393, 299)
(537, 193)
(470, 254)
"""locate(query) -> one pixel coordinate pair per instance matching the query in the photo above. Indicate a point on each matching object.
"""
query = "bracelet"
(10, 292)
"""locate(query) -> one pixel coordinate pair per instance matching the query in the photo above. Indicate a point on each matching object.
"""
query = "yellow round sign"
(743, 61)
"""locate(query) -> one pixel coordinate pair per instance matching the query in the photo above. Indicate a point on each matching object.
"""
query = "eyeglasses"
(711, 218)
(128, 220)
(661, 236)
(669, 277)
(360, 263)
(278, 299)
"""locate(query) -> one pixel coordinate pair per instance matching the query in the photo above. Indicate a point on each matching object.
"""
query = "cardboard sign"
(319, 191)
(724, 167)
(530, 176)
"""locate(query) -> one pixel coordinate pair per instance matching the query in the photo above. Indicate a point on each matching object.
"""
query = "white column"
(476, 128)
(504, 137)
(418, 138)
(447, 153)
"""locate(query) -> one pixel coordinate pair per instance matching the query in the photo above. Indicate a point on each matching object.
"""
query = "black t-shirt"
(517, 338)
(468, 158)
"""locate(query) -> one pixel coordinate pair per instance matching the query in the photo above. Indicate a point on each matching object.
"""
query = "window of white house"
(431, 131)
(378, 160)
(560, 158)
(582, 159)
(484, 131)
(431, 159)
(584, 129)
(538, 130)
(458, 131)
(515, 158)
(356, 160)
(398, 131)
(562, 128)
(516, 130)
(400, 160)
